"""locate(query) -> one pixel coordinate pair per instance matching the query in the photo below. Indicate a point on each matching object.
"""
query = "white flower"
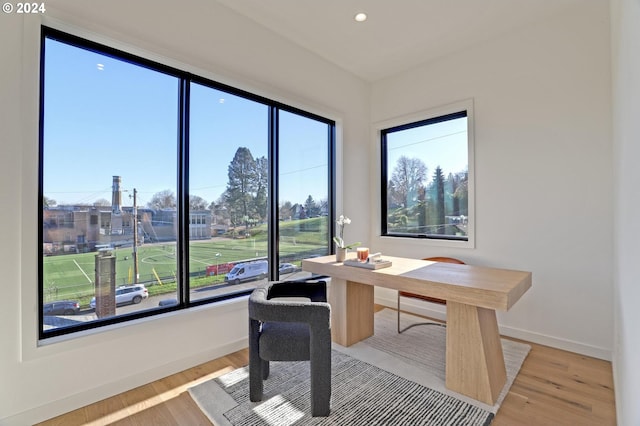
(339, 240)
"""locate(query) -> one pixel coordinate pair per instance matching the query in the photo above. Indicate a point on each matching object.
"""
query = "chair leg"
(255, 380)
(255, 363)
(320, 387)
(401, 330)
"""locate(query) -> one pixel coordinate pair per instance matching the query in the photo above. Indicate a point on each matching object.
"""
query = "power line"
(427, 140)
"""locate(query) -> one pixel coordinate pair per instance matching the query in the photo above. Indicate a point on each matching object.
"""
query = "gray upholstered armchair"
(287, 330)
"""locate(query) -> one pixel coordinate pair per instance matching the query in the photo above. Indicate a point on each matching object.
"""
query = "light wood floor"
(554, 387)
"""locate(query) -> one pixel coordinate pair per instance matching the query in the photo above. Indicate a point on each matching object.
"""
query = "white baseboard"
(431, 311)
(73, 402)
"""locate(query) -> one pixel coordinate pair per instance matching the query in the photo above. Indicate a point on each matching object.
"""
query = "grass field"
(72, 276)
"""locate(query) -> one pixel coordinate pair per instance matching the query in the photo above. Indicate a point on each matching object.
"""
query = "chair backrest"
(266, 303)
(444, 259)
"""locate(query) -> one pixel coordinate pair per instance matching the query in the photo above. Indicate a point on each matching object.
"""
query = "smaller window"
(425, 177)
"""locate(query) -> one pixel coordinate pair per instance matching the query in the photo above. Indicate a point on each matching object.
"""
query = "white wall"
(543, 170)
(38, 382)
(626, 124)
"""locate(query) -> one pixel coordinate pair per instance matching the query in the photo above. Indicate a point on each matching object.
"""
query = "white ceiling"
(399, 34)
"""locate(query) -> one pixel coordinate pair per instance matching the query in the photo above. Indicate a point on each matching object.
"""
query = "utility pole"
(136, 273)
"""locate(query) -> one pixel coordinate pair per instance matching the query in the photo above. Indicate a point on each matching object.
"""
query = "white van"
(248, 271)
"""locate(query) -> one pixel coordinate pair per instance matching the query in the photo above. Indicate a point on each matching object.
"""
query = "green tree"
(311, 207)
(438, 183)
(262, 179)
(219, 211)
(241, 186)
(422, 210)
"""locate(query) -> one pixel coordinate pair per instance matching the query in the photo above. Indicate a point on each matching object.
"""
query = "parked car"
(219, 269)
(127, 294)
(61, 307)
(248, 271)
(287, 268)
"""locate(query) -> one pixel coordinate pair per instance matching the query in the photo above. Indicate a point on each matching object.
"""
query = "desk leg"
(474, 359)
(351, 311)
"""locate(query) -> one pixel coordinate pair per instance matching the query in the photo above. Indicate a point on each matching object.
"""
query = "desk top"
(491, 288)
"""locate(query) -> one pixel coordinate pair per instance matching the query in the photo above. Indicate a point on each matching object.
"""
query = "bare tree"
(48, 202)
(162, 200)
(406, 181)
(197, 203)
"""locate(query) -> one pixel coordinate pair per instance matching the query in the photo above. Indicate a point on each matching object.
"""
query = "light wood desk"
(474, 360)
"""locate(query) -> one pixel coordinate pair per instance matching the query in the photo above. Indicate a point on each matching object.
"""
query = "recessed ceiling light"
(360, 17)
(100, 67)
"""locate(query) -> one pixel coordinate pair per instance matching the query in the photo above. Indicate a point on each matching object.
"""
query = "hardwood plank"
(109, 410)
(184, 410)
(146, 406)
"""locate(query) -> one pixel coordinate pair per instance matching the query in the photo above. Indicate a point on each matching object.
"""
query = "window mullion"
(183, 193)
(273, 197)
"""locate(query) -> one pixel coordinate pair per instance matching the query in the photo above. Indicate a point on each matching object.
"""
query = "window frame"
(426, 117)
(185, 78)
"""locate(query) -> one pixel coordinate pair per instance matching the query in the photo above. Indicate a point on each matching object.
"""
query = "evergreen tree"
(241, 186)
(262, 179)
(438, 182)
(311, 207)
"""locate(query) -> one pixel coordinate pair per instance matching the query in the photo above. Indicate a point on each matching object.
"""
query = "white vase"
(341, 254)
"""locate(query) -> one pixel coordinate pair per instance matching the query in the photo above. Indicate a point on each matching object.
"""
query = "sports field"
(72, 276)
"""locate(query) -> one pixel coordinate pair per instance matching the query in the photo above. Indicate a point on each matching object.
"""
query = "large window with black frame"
(162, 190)
(426, 179)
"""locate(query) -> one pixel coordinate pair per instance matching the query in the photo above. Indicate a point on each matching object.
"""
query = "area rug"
(384, 380)
(418, 354)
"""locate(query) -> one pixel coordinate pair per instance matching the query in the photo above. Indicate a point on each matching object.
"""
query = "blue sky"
(106, 117)
(441, 144)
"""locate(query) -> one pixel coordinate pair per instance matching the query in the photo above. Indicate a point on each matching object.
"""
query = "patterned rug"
(418, 354)
(384, 380)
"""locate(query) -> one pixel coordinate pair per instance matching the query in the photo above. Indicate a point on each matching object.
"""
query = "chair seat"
(425, 298)
(284, 341)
